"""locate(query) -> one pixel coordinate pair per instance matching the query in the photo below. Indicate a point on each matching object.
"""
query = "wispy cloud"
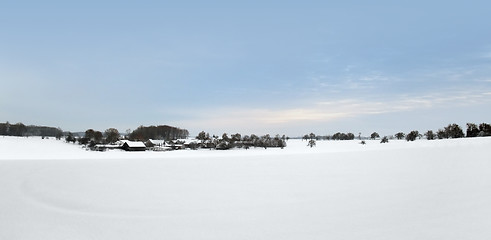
(329, 111)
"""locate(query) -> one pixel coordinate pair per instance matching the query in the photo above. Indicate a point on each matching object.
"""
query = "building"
(134, 146)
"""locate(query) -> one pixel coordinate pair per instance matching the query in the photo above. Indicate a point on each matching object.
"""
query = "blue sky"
(251, 67)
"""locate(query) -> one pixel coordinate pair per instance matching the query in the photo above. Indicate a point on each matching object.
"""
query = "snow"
(338, 190)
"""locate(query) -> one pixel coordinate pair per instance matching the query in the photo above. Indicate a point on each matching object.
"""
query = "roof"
(157, 142)
(134, 144)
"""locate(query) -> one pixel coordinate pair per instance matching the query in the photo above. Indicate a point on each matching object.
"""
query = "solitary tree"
(374, 135)
(311, 138)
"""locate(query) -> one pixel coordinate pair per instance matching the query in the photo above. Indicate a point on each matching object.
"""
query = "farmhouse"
(104, 147)
(134, 146)
(155, 143)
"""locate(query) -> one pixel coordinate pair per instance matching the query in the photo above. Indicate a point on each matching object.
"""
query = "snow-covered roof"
(134, 144)
(157, 142)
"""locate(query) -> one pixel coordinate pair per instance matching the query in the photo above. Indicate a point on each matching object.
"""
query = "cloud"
(262, 119)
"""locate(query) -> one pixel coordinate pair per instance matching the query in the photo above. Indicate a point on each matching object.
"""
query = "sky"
(277, 67)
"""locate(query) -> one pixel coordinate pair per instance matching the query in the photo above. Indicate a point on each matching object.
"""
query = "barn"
(134, 146)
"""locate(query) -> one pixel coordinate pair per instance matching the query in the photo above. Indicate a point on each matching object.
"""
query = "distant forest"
(142, 133)
(19, 129)
(161, 132)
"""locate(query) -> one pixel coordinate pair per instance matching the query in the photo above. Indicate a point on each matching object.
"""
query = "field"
(338, 190)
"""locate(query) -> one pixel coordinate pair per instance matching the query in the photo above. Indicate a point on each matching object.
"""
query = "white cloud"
(327, 111)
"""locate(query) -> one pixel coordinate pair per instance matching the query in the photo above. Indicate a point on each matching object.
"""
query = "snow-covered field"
(338, 190)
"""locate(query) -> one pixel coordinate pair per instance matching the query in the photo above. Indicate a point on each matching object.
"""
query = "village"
(223, 143)
(151, 144)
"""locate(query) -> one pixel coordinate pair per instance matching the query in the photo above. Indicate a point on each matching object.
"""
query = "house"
(104, 147)
(177, 144)
(134, 146)
(155, 143)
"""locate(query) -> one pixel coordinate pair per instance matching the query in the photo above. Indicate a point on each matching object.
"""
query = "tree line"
(161, 132)
(21, 130)
(239, 141)
(450, 131)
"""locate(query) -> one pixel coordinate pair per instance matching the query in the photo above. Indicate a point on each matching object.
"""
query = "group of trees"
(482, 130)
(161, 132)
(336, 136)
(93, 137)
(239, 141)
(450, 131)
(21, 130)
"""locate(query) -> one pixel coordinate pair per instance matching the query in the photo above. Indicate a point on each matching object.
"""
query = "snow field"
(337, 190)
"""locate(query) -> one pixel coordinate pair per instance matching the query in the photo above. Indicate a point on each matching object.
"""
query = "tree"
(3, 129)
(59, 134)
(203, 136)
(83, 141)
(484, 129)
(384, 140)
(90, 134)
(374, 135)
(400, 135)
(430, 135)
(112, 135)
(472, 130)
(305, 137)
(225, 137)
(454, 131)
(18, 129)
(98, 137)
(311, 143)
(412, 136)
(350, 136)
(441, 134)
(236, 137)
(312, 138)
(70, 138)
